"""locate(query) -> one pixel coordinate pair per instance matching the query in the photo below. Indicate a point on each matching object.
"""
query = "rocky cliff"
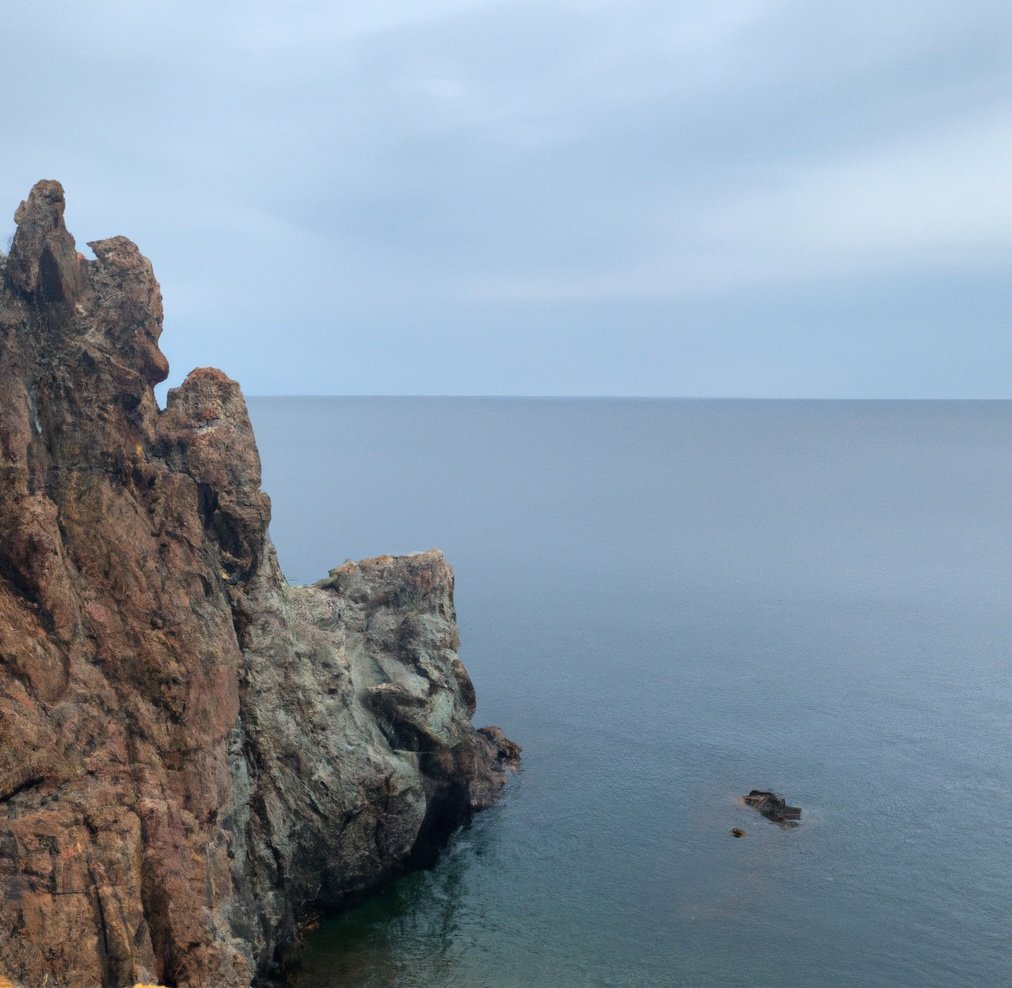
(192, 753)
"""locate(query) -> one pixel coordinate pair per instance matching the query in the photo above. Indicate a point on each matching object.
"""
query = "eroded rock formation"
(773, 807)
(192, 752)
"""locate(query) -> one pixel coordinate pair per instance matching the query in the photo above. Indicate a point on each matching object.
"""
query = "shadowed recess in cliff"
(193, 754)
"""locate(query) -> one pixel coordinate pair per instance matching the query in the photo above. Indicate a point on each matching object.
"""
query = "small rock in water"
(772, 806)
(737, 832)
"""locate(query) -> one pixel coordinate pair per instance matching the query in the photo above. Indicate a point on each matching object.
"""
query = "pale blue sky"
(772, 198)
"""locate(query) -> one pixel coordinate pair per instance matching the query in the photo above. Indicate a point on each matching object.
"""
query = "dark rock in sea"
(772, 806)
(194, 755)
(738, 832)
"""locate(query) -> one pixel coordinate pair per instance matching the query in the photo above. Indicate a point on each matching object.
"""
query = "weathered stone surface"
(773, 807)
(192, 752)
(44, 265)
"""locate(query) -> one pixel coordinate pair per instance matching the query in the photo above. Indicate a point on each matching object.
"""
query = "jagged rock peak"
(193, 754)
(44, 264)
(114, 299)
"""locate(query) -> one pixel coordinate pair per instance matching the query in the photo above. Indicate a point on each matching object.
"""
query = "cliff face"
(192, 752)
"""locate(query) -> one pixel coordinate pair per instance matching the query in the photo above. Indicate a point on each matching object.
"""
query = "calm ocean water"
(669, 603)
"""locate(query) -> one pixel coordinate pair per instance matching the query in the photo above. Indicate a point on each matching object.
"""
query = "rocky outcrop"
(773, 807)
(193, 754)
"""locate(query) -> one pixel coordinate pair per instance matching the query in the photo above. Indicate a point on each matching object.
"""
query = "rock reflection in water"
(413, 931)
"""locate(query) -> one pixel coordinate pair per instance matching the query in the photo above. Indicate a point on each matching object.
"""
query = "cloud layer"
(731, 198)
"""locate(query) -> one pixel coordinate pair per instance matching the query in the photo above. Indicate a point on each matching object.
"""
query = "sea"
(669, 603)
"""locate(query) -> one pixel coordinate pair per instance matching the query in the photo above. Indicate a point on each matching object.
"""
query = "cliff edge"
(192, 752)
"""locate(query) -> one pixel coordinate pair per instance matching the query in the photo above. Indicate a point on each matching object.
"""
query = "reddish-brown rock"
(192, 753)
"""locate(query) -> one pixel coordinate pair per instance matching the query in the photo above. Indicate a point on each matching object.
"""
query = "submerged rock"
(772, 806)
(193, 754)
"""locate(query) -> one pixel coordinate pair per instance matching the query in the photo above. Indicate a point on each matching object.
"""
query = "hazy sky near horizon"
(782, 198)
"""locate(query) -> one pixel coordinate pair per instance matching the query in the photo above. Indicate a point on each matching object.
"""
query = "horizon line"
(621, 397)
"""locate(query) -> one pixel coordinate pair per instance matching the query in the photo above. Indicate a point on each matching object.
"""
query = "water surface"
(669, 603)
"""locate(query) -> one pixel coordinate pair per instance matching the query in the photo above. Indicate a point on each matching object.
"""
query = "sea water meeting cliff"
(193, 754)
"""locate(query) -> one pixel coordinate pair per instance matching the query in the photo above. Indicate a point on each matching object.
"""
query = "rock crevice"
(193, 754)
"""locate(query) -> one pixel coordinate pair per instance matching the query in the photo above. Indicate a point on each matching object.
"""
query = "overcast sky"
(714, 198)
